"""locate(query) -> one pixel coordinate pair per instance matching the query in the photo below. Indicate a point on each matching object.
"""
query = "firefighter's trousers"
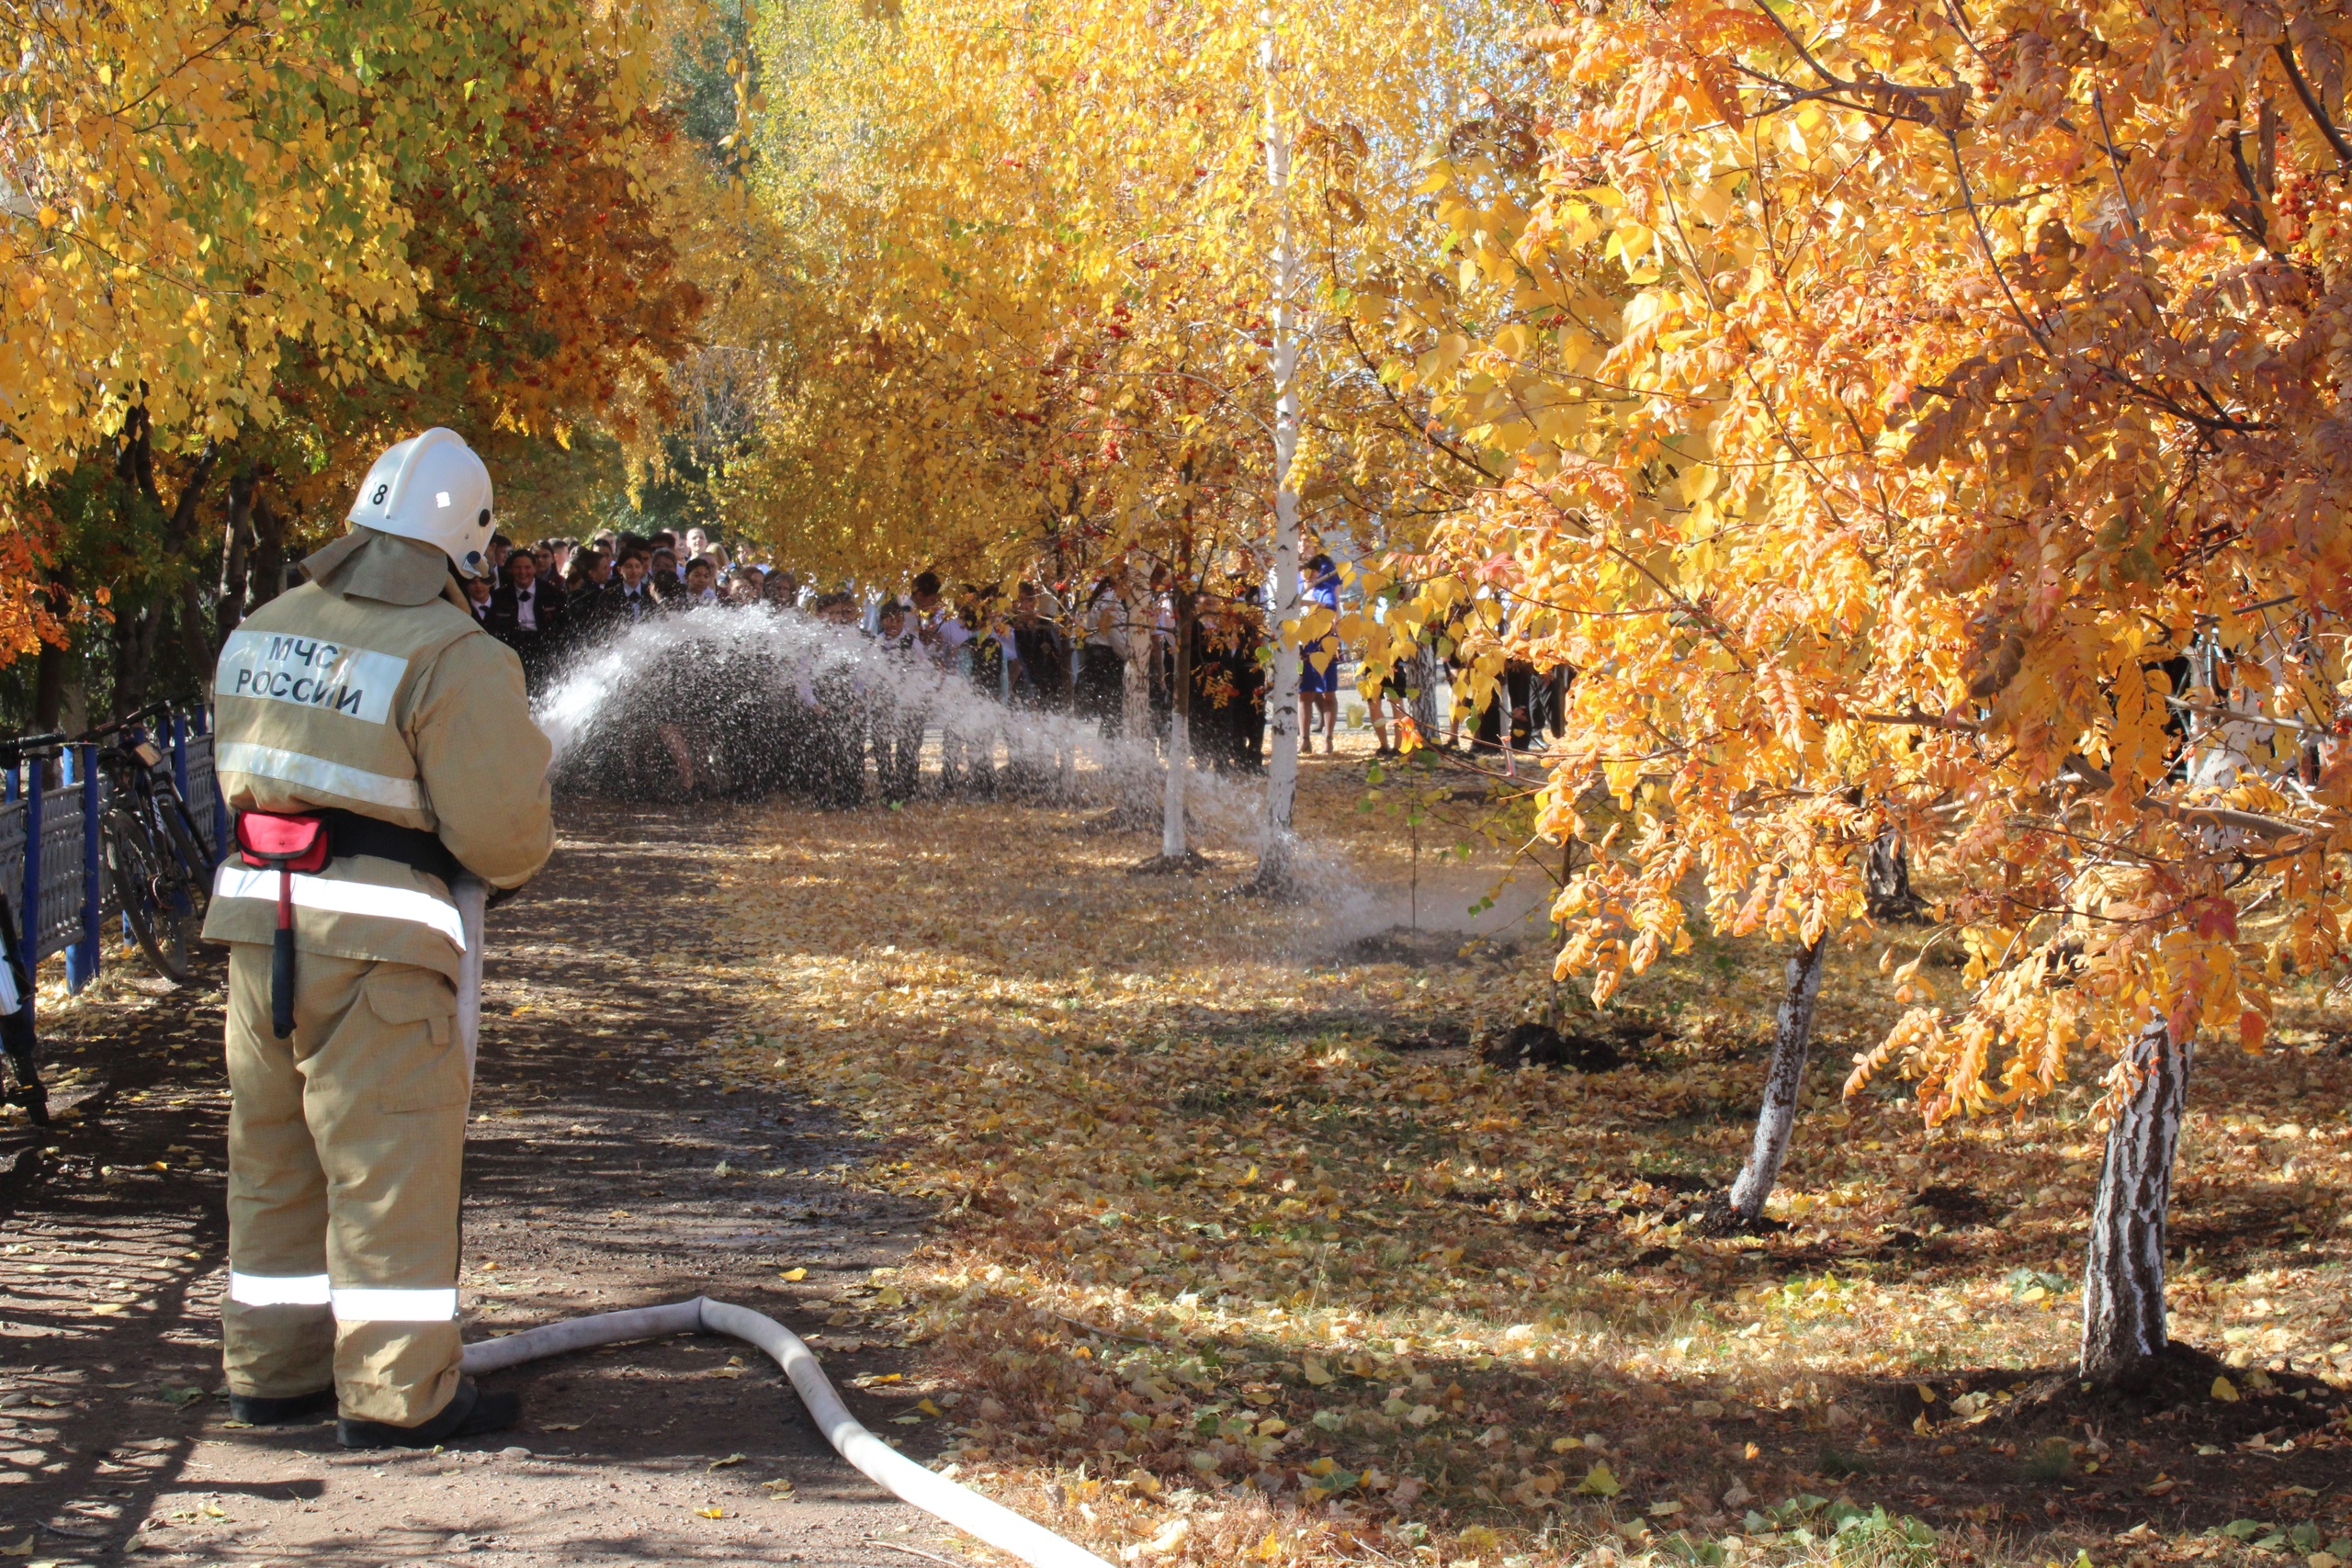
(344, 1149)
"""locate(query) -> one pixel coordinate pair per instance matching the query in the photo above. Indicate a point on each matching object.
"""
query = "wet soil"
(2200, 1400)
(605, 1167)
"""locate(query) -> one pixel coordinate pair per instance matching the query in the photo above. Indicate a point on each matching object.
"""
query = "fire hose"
(927, 1489)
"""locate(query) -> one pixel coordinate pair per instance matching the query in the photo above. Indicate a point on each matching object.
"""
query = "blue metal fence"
(52, 811)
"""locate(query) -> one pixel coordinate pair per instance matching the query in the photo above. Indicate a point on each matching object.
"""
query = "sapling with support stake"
(1969, 608)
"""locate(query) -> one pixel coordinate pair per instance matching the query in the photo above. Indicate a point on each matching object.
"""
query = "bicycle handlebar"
(16, 749)
(114, 725)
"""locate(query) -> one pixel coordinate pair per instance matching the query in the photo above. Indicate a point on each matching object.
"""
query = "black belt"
(349, 833)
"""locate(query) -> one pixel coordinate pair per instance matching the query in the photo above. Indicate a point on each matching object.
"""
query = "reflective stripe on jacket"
(373, 688)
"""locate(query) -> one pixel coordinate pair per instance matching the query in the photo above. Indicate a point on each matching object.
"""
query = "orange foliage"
(1920, 421)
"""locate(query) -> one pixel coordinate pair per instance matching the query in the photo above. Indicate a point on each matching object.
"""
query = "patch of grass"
(1880, 1539)
(2052, 1461)
(1837, 1464)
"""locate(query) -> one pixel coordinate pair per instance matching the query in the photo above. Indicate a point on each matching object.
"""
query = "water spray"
(764, 676)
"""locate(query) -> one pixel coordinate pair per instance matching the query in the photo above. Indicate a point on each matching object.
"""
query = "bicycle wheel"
(152, 895)
(194, 866)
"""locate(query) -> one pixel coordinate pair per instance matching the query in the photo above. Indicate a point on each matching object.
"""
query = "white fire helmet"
(430, 487)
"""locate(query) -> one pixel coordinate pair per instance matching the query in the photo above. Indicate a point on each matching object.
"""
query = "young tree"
(1894, 398)
(1285, 284)
(1083, 260)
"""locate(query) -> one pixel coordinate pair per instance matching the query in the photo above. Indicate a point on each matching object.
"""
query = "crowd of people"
(549, 599)
(828, 696)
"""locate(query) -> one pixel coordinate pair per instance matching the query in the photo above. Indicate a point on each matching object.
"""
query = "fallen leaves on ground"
(1214, 1251)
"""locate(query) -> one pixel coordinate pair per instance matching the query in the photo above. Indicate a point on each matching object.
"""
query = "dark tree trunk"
(197, 645)
(139, 631)
(50, 669)
(1886, 879)
(235, 543)
(134, 470)
(2123, 1277)
(130, 667)
(48, 686)
(268, 576)
(1783, 1082)
(134, 461)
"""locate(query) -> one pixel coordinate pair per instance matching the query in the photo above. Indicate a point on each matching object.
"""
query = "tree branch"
(1917, 719)
(2312, 105)
(1927, 106)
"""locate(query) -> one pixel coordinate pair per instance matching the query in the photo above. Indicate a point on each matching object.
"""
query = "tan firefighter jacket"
(373, 688)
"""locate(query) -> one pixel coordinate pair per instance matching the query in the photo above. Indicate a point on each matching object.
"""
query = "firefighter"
(371, 706)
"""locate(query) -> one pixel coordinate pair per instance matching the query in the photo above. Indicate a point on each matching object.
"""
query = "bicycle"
(155, 860)
(20, 1046)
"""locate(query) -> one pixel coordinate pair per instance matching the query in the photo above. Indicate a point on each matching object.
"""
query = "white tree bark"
(1783, 1081)
(2123, 1277)
(1282, 768)
(1172, 846)
(1429, 671)
(1135, 677)
(1172, 800)
(1129, 759)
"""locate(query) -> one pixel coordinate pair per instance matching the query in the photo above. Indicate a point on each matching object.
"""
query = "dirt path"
(606, 1168)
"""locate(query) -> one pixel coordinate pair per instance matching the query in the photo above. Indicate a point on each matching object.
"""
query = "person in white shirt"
(701, 589)
(526, 614)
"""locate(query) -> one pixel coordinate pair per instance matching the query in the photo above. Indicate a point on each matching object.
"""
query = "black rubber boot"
(254, 1410)
(469, 1413)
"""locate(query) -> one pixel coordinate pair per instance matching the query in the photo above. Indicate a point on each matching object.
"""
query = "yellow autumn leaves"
(1021, 296)
(1883, 423)
(200, 189)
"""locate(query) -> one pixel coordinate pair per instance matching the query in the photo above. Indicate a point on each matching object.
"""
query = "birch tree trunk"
(1129, 758)
(1172, 846)
(1135, 675)
(1783, 1081)
(1282, 768)
(1428, 671)
(2123, 1277)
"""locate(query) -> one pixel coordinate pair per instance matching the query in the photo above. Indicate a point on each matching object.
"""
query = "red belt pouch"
(290, 842)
